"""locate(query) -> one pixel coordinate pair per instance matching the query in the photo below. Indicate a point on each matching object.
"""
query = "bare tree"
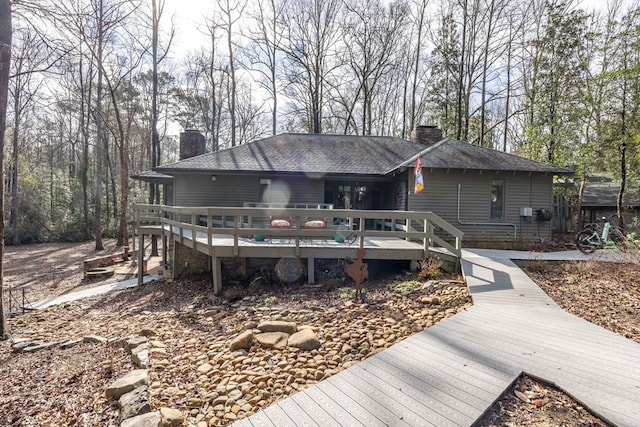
(419, 27)
(199, 98)
(372, 36)
(28, 57)
(157, 10)
(249, 116)
(310, 45)
(262, 53)
(231, 15)
(5, 64)
(495, 8)
(443, 86)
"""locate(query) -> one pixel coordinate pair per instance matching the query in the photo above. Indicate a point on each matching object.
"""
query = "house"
(600, 199)
(488, 194)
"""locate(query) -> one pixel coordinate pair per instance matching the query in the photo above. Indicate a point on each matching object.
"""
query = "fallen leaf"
(520, 395)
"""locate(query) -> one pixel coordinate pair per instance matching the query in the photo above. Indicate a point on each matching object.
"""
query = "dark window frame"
(497, 197)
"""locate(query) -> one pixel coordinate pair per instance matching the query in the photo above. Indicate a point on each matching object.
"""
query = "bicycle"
(594, 237)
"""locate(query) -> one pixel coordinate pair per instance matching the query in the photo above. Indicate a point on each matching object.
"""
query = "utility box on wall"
(526, 212)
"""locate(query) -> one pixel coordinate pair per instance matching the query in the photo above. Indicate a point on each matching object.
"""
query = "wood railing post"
(427, 238)
(210, 232)
(194, 222)
(235, 234)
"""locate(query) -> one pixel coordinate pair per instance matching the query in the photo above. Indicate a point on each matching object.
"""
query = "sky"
(189, 15)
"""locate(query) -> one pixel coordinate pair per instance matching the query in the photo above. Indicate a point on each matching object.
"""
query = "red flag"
(419, 186)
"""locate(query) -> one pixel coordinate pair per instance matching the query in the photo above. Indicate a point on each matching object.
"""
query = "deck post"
(243, 267)
(216, 269)
(174, 267)
(165, 254)
(311, 277)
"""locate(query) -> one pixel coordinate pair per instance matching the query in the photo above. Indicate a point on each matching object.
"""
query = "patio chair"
(315, 223)
(311, 223)
(280, 222)
(283, 222)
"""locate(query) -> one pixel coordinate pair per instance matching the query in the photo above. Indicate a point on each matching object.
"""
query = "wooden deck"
(449, 374)
(231, 232)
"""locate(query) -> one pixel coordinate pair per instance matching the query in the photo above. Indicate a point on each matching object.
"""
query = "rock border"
(132, 392)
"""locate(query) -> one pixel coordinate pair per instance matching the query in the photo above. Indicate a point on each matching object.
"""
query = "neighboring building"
(488, 194)
(600, 199)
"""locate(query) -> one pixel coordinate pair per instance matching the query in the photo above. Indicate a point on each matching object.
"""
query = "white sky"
(190, 14)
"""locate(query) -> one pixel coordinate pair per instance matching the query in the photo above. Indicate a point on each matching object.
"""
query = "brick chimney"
(426, 134)
(191, 144)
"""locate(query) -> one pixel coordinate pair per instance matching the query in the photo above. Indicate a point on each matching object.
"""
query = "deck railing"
(245, 222)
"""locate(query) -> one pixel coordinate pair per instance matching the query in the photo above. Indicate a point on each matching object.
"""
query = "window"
(265, 190)
(497, 200)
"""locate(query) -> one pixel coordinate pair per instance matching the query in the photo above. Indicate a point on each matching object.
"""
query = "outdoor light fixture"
(213, 178)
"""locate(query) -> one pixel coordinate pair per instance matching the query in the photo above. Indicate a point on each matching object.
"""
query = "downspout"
(515, 230)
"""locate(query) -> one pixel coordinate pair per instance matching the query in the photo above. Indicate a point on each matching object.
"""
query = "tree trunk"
(5, 63)
(100, 131)
(84, 177)
(485, 62)
(463, 51)
(507, 101)
(577, 207)
(414, 83)
(623, 181)
(155, 138)
(15, 201)
(232, 97)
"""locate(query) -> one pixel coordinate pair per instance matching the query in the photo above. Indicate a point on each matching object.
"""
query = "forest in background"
(98, 91)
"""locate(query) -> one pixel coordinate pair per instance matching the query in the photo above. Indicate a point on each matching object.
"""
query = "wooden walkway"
(449, 374)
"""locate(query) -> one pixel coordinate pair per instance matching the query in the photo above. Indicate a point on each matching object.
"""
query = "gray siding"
(439, 196)
(200, 190)
(472, 214)
(302, 189)
(234, 190)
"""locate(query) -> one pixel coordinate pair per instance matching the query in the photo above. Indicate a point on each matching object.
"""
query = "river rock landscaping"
(205, 364)
(212, 360)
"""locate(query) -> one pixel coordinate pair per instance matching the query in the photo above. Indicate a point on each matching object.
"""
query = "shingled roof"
(351, 154)
(152, 176)
(454, 154)
(307, 153)
(602, 191)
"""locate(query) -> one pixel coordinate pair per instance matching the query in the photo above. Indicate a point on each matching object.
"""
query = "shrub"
(404, 286)
(271, 300)
(235, 293)
(346, 292)
(430, 268)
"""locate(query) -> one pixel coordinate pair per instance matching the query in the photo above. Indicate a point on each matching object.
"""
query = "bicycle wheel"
(587, 241)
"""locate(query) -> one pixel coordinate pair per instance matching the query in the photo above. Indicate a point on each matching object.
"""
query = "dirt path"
(50, 269)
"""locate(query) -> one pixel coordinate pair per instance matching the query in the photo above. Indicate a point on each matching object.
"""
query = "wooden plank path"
(451, 373)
